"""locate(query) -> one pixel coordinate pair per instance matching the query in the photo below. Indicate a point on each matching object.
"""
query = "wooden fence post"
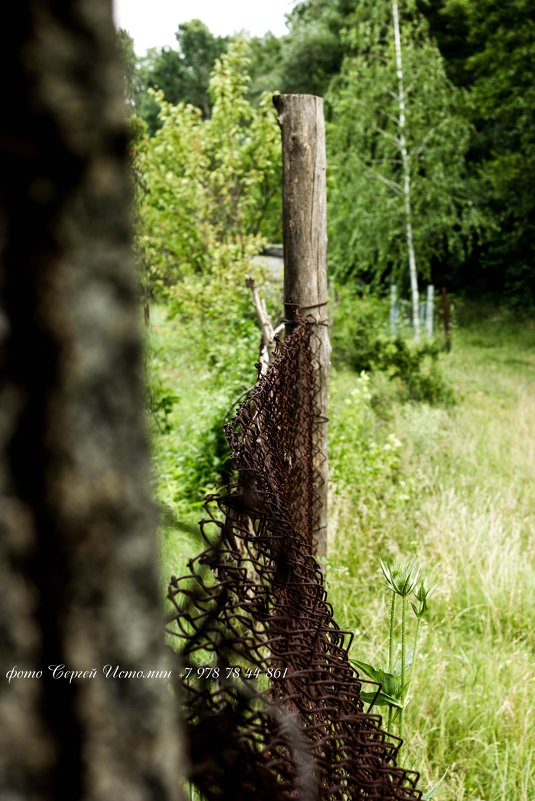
(305, 258)
(430, 310)
(446, 318)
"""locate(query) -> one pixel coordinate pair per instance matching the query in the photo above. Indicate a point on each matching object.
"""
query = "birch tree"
(397, 141)
(406, 174)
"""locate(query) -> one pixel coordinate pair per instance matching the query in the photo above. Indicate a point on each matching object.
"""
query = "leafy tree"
(182, 75)
(450, 31)
(313, 50)
(128, 61)
(496, 62)
(502, 72)
(208, 187)
(367, 215)
(265, 65)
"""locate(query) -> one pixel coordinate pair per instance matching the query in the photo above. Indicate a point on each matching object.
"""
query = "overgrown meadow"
(450, 485)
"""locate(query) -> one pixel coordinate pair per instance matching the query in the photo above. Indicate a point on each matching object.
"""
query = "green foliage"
(403, 580)
(189, 405)
(127, 58)
(207, 188)
(367, 218)
(208, 182)
(503, 92)
(201, 467)
(182, 75)
(203, 188)
(358, 321)
(389, 693)
(415, 367)
(471, 106)
(313, 50)
(265, 66)
(364, 457)
(490, 49)
(361, 340)
(161, 401)
(470, 512)
(456, 490)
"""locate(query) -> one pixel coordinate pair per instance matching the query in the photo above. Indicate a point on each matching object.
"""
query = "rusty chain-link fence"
(271, 702)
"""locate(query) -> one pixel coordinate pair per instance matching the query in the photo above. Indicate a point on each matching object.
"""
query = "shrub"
(361, 340)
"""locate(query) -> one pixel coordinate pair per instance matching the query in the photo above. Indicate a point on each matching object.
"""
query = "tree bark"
(305, 260)
(406, 186)
(77, 556)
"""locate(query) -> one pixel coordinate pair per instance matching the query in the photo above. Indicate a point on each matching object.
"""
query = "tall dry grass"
(468, 513)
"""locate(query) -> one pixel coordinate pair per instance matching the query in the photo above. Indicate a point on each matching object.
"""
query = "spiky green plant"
(402, 580)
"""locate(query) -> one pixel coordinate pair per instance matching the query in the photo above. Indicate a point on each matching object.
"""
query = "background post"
(430, 310)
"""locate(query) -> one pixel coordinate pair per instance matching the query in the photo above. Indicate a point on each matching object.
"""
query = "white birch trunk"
(406, 185)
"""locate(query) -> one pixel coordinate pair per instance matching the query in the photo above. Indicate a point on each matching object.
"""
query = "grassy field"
(453, 487)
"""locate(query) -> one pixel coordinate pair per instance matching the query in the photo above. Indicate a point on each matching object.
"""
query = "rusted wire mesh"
(272, 704)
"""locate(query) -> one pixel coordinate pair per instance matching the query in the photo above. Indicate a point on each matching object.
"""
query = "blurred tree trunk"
(77, 553)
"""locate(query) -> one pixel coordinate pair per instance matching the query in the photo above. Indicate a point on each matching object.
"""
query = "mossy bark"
(77, 554)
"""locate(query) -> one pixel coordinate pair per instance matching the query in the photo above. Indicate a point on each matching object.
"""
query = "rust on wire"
(271, 702)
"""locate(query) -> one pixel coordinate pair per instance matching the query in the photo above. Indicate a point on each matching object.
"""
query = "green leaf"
(422, 593)
(187, 528)
(390, 684)
(370, 671)
(380, 699)
(400, 578)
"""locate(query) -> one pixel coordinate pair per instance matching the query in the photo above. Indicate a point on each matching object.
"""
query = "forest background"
(431, 451)
(481, 57)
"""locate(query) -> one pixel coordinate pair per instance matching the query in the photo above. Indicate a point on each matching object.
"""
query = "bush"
(364, 458)
(361, 340)
(358, 323)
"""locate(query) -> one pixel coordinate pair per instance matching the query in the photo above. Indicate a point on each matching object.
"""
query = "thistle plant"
(403, 580)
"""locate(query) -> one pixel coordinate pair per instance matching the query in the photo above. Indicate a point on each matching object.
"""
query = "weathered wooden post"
(305, 258)
(446, 318)
(429, 310)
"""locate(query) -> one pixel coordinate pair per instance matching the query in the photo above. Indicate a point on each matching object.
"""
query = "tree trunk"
(406, 185)
(77, 556)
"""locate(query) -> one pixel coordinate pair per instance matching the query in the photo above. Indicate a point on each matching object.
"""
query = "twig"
(268, 334)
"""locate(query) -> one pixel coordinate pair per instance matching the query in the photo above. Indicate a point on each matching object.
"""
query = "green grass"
(470, 520)
(454, 487)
